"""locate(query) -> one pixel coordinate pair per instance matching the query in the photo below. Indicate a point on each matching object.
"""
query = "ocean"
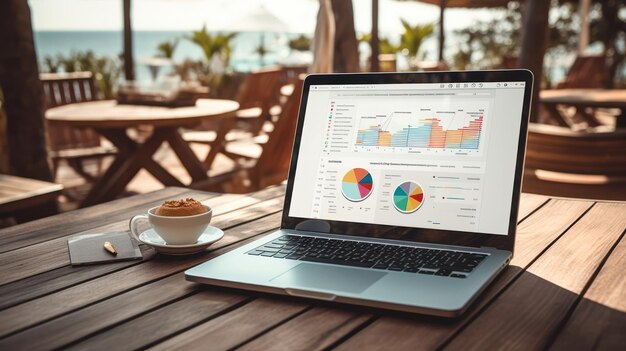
(110, 43)
(244, 58)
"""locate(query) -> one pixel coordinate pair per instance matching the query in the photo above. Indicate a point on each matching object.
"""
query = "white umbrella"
(323, 46)
(260, 20)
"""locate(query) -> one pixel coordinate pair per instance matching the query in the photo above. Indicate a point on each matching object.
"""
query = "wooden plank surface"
(567, 270)
(249, 321)
(534, 234)
(53, 254)
(82, 219)
(530, 311)
(124, 282)
(55, 279)
(110, 114)
(604, 303)
(150, 328)
(315, 329)
(22, 315)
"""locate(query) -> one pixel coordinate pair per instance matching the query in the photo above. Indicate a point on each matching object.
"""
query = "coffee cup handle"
(133, 225)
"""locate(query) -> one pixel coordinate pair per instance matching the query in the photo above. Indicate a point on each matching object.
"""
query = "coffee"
(177, 222)
(180, 208)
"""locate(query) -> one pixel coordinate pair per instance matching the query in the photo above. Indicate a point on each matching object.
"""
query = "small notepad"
(89, 248)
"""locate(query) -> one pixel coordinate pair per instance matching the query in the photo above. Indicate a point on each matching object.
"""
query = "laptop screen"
(418, 155)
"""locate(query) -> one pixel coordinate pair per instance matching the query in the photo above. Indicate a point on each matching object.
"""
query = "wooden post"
(19, 79)
(583, 37)
(442, 34)
(346, 58)
(129, 67)
(533, 48)
(374, 65)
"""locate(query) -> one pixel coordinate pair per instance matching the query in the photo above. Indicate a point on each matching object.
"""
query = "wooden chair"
(256, 97)
(562, 162)
(587, 72)
(70, 144)
(290, 73)
(263, 161)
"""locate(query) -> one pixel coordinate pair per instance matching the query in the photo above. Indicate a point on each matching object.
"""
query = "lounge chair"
(561, 162)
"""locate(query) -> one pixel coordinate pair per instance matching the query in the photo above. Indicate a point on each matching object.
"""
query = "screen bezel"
(438, 236)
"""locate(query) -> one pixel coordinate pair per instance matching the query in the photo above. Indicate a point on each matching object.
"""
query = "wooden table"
(17, 193)
(565, 289)
(111, 120)
(582, 99)
(26, 199)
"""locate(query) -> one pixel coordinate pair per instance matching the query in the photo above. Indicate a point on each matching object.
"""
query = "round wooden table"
(584, 98)
(111, 120)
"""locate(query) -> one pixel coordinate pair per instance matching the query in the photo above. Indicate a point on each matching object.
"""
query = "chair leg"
(55, 168)
(78, 167)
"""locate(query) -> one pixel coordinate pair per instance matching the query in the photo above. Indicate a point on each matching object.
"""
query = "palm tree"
(412, 38)
(385, 46)
(166, 49)
(217, 44)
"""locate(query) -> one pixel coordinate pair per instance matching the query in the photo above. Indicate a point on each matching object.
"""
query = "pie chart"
(357, 184)
(408, 197)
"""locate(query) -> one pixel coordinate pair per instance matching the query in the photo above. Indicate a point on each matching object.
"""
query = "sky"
(165, 15)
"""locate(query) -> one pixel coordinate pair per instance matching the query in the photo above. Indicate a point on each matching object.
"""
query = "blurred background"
(135, 50)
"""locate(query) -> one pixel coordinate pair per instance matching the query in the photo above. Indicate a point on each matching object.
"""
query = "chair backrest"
(67, 88)
(587, 72)
(582, 154)
(273, 164)
(290, 73)
(260, 89)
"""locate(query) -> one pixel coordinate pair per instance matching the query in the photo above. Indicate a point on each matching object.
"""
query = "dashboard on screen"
(424, 155)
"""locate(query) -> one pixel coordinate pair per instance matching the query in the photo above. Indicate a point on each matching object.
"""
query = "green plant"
(485, 43)
(166, 49)
(190, 70)
(213, 44)
(106, 70)
(301, 43)
(50, 64)
(384, 45)
(462, 60)
(414, 36)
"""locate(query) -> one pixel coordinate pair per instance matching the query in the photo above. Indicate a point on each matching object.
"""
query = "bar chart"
(428, 133)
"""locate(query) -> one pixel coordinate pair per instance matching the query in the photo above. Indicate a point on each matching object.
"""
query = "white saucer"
(210, 235)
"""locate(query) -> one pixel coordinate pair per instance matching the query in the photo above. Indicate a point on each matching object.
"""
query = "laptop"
(403, 192)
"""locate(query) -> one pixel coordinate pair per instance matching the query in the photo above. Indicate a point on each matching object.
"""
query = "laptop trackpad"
(333, 278)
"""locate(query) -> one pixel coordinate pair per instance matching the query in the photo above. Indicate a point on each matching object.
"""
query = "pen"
(110, 248)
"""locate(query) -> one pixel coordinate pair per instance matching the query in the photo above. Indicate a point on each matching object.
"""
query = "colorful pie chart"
(357, 184)
(408, 197)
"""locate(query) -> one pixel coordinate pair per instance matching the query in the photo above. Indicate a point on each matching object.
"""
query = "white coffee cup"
(174, 230)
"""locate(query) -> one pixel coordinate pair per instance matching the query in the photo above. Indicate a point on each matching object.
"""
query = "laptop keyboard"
(457, 264)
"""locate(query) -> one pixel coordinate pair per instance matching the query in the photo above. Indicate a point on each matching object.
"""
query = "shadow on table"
(534, 308)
